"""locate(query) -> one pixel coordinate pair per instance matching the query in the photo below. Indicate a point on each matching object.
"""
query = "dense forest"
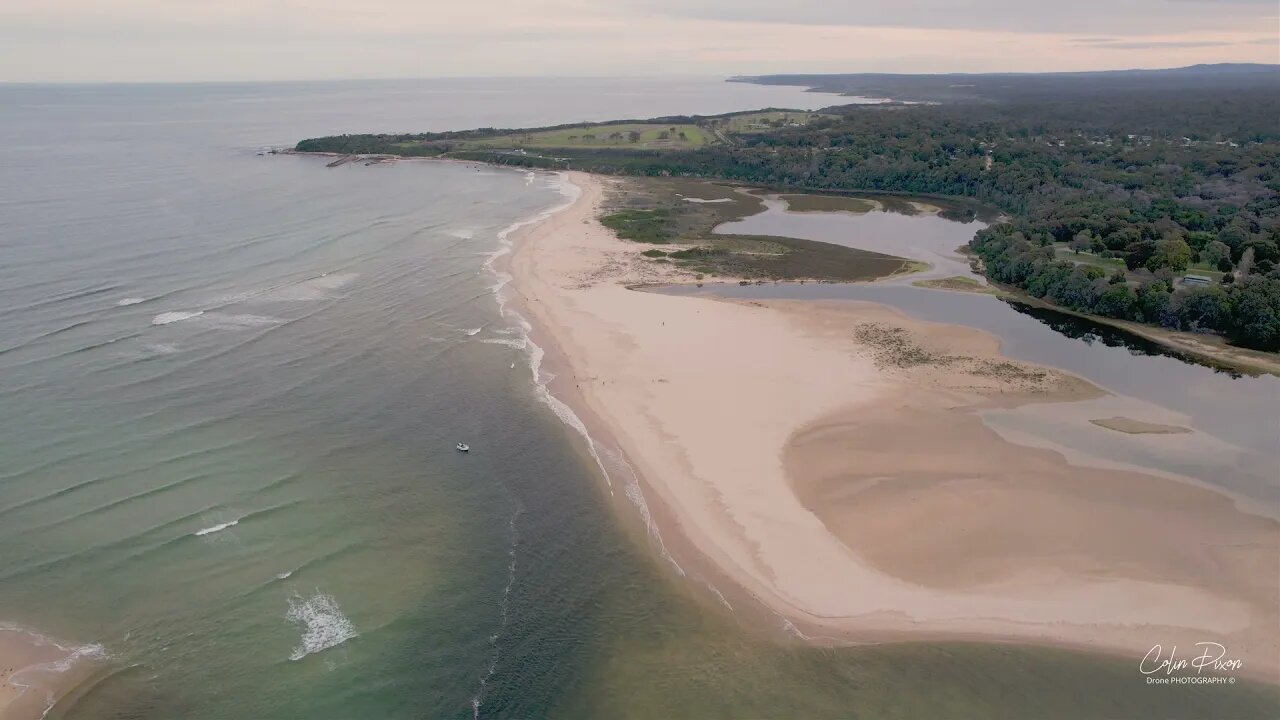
(1107, 203)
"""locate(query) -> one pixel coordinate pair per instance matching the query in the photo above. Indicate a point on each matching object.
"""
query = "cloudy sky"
(139, 40)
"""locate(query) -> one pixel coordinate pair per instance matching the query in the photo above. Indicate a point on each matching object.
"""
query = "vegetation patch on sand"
(649, 226)
(892, 346)
(655, 210)
(957, 283)
(1138, 427)
(829, 203)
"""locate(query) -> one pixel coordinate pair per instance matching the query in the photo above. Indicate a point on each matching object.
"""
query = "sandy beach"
(35, 671)
(829, 461)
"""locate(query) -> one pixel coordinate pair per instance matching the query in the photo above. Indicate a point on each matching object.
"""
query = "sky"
(199, 40)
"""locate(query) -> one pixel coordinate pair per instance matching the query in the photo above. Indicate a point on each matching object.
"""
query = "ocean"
(230, 389)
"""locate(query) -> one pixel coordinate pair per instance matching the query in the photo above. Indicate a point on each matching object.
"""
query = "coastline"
(739, 420)
(36, 672)
(1209, 349)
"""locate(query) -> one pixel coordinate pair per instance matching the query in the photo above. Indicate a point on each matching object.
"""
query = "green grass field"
(616, 135)
(762, 121)
(1062, 252)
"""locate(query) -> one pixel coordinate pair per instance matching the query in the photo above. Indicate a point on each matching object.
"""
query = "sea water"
(230, 389)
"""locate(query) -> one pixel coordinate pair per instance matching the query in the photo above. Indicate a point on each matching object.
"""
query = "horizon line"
(243, 81)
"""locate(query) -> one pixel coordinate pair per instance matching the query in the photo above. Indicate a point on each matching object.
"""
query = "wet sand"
(830, 461)
(35, 671)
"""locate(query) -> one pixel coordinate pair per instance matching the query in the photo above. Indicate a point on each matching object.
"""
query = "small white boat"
(462, 447)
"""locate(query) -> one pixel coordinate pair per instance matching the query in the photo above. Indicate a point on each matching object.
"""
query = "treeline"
(1246, 312)
(1233, 100)
(1164, 181)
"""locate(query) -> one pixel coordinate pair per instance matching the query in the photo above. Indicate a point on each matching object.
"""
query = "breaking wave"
(323, 624)
(542, 379)
(215, 528)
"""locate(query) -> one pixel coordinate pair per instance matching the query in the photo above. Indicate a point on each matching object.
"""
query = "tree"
(1202, 308)
(1255, 314)
(1116, 301)
(1152, 300)
(1233, 236)
(1123, 237)
(1170, 252)
(1082, 241)
(1138, 253)
(1215, 252)
(634, 136)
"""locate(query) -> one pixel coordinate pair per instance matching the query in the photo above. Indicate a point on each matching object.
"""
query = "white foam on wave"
(284, 575)
(176, 316)
(160, 348)
(122, 302)
(316, 288)
(324, 625)
(791, 628)
(720, 595)
(216, 528)
(519, 343)
(461, 233)
(84, 652)
(631, 486)
(473, 332)
(542, 379)
(226, 321)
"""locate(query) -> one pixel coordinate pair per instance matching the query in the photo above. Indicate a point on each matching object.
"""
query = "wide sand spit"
(829, 460)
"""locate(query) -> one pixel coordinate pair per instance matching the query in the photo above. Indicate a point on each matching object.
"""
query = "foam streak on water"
(504, 614)
(173, 317)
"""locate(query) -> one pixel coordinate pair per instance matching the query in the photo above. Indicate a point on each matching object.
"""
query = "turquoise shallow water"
(230, 386)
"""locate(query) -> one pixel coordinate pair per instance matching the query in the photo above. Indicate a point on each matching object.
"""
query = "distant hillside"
(1229, 100)
(1012, 87)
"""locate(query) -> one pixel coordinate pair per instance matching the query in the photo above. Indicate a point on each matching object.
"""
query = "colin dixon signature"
(1213, 657)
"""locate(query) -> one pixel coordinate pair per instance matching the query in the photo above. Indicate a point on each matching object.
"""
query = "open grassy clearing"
(764, 121)
(617, 135)
(1062, 252)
